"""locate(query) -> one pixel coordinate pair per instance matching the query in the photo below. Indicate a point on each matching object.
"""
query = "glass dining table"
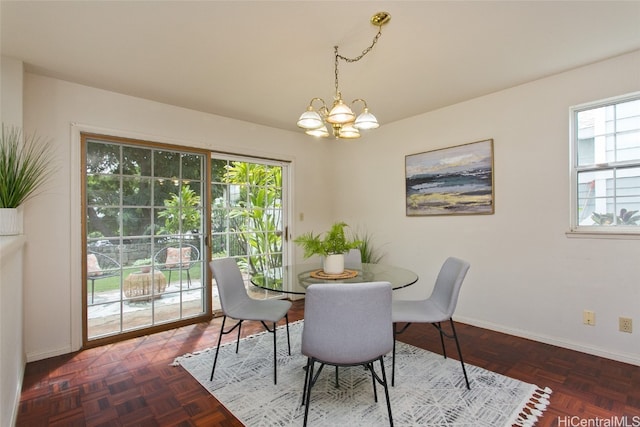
(294, 279)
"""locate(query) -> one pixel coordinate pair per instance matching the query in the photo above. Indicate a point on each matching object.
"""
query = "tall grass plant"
(25, 164)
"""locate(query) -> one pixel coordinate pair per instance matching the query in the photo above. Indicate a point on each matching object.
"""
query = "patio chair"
(353, 259)
(179, 258)
(100, 266)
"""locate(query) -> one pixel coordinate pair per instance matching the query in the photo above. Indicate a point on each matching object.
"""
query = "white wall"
(11, 77)
(527, 276)
(53, 285)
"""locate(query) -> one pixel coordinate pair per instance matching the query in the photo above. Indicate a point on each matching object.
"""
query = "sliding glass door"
(144, 231)
(153, 217)
(249, 215)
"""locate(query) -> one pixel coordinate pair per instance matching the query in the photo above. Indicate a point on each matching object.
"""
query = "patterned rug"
(430, 390)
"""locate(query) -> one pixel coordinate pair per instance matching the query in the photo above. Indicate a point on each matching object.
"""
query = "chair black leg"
(306, 380)
(308, 390)
(215, 359)
(464, 371)
(386, 390)
(311, 377)
(393, 359)
(273, 330)
(396, 332)
(444, 349)
(188, 279)
(275, 356)
(223, 332)
(373, 379)
(286, 317)
(382, 379)
(238, 337)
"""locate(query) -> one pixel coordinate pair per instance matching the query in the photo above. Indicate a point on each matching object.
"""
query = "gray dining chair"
(353, 259)
(238, 305)
(438, 308)
(347, 325)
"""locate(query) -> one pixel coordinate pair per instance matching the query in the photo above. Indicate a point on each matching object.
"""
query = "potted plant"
(25, 164)
(144, 265)
(332, 247)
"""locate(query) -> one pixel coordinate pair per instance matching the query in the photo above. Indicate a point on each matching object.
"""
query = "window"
(606, 166)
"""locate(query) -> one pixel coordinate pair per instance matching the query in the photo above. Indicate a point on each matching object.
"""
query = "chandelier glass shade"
(340, 120)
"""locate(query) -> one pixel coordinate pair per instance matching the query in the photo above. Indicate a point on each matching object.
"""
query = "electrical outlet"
(589, 317)
(626, 324)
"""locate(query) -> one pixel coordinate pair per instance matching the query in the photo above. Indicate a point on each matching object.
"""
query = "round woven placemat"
(346, 274)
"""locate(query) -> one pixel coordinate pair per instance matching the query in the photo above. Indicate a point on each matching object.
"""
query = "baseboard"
(633, 359)
(32, 357)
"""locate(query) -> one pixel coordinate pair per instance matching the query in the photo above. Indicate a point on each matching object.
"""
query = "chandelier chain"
(364, 52)
(357, 58)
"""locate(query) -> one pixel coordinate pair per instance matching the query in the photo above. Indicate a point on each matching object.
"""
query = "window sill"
(592, 234)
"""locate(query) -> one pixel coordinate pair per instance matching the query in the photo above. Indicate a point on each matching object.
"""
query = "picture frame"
(456, 180)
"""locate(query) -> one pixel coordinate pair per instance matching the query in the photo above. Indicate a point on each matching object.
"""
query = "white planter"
(10, 221)
(333, 264)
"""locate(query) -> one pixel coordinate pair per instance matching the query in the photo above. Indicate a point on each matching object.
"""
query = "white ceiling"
(262, 61)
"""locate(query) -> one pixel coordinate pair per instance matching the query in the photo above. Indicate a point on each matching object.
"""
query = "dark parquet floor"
(131, 383)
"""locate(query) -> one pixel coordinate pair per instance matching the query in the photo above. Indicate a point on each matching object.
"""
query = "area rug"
(429, 390)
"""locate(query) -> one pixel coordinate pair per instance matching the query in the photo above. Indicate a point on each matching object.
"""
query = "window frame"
(576, 230)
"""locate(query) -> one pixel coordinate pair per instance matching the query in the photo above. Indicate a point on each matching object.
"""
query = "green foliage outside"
(255, 218)
(126, 185)
(138, 179)
(182, 212)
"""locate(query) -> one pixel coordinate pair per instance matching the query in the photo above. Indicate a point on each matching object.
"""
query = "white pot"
(333, 264)
(10, 221)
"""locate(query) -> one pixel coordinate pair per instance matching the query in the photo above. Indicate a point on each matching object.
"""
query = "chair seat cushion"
(93, 267)
(422, 311)
(266, 310)
(178, 257)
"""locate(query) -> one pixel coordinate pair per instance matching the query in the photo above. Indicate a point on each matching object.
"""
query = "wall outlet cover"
(626, 324)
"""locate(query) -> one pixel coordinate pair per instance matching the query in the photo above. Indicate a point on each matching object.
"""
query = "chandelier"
(340, 118)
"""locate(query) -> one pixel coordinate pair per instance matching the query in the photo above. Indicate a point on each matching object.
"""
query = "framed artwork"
(451, 181)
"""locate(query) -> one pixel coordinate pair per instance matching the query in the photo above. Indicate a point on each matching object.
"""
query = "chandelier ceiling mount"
(316, 121)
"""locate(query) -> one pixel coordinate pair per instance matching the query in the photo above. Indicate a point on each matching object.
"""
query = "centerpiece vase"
(333, 264)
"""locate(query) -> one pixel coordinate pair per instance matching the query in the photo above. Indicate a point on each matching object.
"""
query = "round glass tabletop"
(294, 279)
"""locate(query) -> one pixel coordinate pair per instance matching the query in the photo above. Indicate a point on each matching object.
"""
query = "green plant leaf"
(335, 241)
(25, 164)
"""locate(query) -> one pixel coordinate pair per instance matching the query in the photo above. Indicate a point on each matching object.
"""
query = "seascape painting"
(451, 181)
